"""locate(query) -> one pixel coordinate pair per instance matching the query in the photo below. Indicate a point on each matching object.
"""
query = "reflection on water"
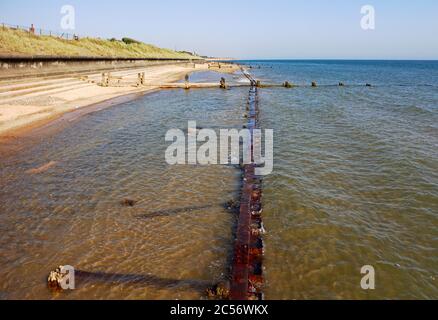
(355, 183)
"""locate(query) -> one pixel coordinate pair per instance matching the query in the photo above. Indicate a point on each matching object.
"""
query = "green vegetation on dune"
(24, 43)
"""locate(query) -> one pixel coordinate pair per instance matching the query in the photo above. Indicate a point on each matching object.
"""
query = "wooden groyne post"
(223, 83)
(247, 270)
(140, 79)
(105, 79)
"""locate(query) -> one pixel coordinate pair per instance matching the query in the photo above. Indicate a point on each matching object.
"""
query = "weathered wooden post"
(187, 78)
(140, 79)
(223, 84)
(105, 79)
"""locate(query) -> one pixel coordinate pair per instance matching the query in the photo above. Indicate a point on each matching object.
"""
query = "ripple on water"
(173, 244)
(355, 183)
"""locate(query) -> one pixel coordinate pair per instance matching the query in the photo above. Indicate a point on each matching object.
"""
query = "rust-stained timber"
(247, 271)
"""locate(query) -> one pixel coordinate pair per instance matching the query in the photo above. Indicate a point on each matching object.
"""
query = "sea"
(354, 185)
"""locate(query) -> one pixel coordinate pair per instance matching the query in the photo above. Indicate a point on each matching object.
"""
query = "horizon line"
(329, 59)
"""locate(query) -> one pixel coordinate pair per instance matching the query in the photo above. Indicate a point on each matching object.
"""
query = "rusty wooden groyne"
(247, 271)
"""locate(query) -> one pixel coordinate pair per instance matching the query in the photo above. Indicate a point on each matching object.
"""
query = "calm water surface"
(355, 183)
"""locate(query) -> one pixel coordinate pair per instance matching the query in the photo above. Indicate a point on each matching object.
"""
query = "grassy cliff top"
(19, 42)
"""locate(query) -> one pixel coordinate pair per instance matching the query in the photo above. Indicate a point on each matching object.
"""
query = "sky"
(250, 29)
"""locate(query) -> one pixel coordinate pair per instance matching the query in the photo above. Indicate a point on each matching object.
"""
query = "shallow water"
(176, 241)
(355, 183)
(355, 180)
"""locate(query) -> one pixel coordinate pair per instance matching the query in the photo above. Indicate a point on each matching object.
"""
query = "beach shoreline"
(29, 117)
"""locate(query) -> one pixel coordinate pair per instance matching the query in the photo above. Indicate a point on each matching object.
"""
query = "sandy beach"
(27, 104)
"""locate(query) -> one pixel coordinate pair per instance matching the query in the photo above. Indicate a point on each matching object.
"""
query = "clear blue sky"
(250, 29)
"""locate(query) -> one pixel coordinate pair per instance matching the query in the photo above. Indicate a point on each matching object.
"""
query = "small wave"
(417, 109)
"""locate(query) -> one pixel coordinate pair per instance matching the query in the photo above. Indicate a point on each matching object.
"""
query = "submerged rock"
(128, 202)
(233, 206)
(42, 169)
